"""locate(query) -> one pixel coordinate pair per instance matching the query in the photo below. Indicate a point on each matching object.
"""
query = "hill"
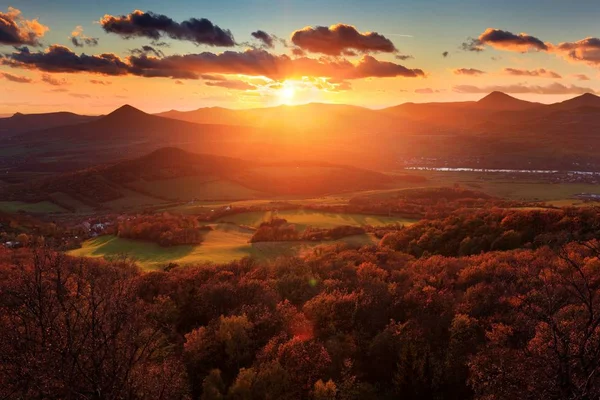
(498, 101)
(172, 174)
(585, 100)
(306, 119)
(19, 123)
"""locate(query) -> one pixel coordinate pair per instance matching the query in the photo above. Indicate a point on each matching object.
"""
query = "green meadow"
(224, 244)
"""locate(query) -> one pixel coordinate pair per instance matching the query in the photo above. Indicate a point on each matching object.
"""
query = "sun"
(287, 92)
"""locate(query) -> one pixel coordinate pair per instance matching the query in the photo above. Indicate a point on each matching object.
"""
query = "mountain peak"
(588, 97)
(496, 96)
(584, 100)
(126, 111)
(502, 101)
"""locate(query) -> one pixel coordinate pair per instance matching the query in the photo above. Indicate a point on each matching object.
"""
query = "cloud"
(586, 50)
(337, 39)
(445, 54)
(15, 30)
(154, 26)
(99, 82)
(581, 77)
(231, 84)
(15, 78)
(468, 71)
(53, 81)
(472, 44)
(80, 95)
(79, 39)
(61, 59)
(148, 50)
(554, 88)
(252, 62)
(403, 57)
(535, 73)
(426, 91)
(504, 40)
(266, 39)
(159, 44)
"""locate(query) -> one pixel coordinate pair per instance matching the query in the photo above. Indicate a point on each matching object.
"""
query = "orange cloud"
(15, 78)
(586, 50)
(535, 73)
(15, 30)
(468, 71)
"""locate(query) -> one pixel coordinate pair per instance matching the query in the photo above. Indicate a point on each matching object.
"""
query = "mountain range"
(496, 131)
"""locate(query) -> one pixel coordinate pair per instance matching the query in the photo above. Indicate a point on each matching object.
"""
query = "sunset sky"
(91, 57)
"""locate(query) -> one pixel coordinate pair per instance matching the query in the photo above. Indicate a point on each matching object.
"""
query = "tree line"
(339, 323)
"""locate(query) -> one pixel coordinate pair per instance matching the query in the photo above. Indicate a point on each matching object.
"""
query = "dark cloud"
(47, 78)
(159, 44)
(255, 62)
(84, 41)
(404, 57)
(468, 71)
(79, 39)
(336, 39)
(154, 26)
(15, 78)
(534, 73)
(252, 62)
(445, 54)
(504, 40)
(266, 39)
(472, 44)
(554, 88)
(15, 30)
(61, 59)
(148, 50)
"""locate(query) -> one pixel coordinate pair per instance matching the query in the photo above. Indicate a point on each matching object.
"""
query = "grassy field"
(43, 207)
(196, 187)
(304, 218)
(499, 185)
(224, 244)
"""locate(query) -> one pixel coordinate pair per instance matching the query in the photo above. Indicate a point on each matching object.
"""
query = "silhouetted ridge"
(495, 97)
(502, 101)
(585, 100)
(126, 111)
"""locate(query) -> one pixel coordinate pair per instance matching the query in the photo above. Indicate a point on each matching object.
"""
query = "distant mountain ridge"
(498, 130)
(19, 123)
